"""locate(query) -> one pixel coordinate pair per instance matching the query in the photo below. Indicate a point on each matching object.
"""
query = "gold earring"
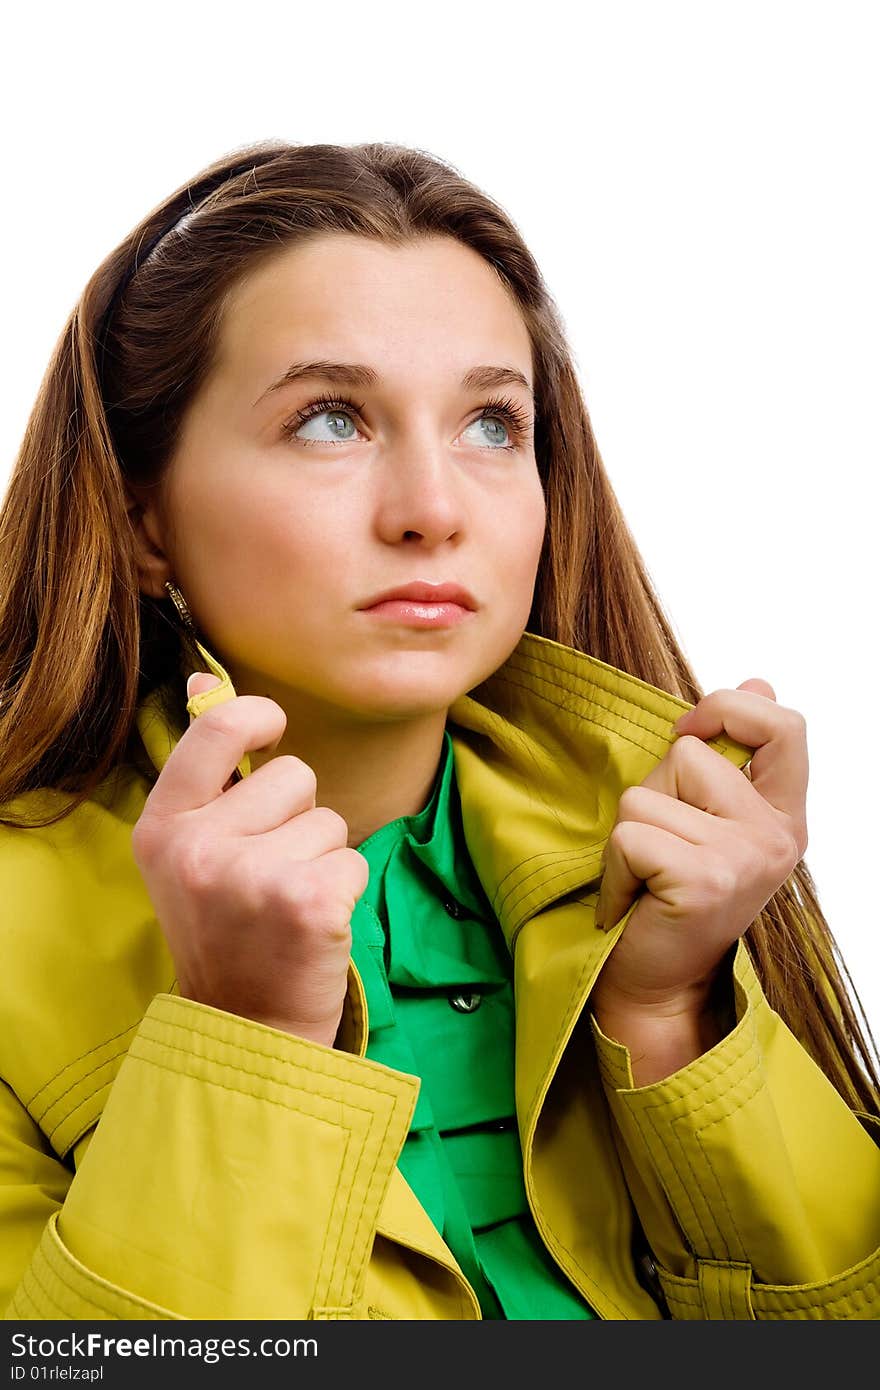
(180, 604)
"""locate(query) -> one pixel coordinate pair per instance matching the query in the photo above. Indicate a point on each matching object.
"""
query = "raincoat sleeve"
(235, 1172)
(758, 1188)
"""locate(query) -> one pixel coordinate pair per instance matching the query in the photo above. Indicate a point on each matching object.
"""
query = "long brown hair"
(81, 645)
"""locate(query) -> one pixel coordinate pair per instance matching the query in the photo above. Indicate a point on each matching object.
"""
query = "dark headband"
(140, 256)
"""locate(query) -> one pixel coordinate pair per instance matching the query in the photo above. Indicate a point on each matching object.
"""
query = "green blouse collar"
(435, 837)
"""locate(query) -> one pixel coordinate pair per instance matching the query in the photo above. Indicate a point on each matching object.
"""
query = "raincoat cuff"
(741, 1153)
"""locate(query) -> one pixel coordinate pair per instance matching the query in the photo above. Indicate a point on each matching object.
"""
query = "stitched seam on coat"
(261, 1076)
(742, 1063)
(56, 1257)
(80, 1079)
(664, 738)
(718, 1075)
(526, 664)
(50, 1298)
(381, 1145)
(292, 1108)
(698, 1135)
(586, 719)
(44, 1305)
(776, 1299)
(647, 1111)
(547, 854)
(673, 1168)
(323, 1073)
(678, 1295)
(803, 1296)
(46, 1084)
(283, 1105)
(50, 1134)
(575, 857)
(581, 687)
(339, 1171)
(635, 1115)
(14, 1306)
(90, 1121)
(362, 1219)
(379, 1154)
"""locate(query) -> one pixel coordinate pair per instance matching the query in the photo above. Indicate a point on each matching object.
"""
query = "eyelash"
(508, 410)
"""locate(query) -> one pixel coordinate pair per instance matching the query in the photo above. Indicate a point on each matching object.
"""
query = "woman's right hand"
(254, 886)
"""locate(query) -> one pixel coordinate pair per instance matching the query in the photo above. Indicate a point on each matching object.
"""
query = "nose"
(421, 492)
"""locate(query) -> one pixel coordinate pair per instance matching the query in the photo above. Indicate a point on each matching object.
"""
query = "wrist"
(659, 1046)
(665, 1035)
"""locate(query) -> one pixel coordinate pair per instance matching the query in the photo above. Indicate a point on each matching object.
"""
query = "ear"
(145, 518)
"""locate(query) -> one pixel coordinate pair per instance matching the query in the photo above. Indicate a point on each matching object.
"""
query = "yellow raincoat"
(161, 1159)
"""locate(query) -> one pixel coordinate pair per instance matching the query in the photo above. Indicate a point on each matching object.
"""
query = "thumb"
(759, 687)
(198, 683)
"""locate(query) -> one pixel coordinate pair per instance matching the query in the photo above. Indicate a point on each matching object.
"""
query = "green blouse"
(439, 984)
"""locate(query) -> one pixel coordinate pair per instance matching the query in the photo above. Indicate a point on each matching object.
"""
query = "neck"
(368, 772)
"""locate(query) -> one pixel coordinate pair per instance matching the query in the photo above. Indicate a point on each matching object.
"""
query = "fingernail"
(189, 681)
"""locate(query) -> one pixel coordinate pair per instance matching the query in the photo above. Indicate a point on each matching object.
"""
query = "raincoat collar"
(543, 750)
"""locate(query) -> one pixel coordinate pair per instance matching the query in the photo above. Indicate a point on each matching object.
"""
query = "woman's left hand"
(710, 845)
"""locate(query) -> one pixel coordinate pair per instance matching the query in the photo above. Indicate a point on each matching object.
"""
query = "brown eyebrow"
(356, 374)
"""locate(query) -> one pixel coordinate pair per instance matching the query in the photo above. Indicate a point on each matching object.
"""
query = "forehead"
(433, 303)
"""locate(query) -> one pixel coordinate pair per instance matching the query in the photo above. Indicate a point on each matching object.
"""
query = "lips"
(421, 591)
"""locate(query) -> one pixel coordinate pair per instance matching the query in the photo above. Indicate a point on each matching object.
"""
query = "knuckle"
(719, 879)
(785, 851)
(622, 836)
(615, 836)
(336, 825)
(195, 863)
(301, 772)
(305, 892)
(214, 723)
(685, 747)
(632, 799)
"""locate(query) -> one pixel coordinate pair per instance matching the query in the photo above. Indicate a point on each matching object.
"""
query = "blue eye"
(515, 419)
(334, 411)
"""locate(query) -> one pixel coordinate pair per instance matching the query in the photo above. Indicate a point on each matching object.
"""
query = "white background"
(698, 182)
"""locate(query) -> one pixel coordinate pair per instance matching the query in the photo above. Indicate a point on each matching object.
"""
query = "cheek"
(524, 533)
(268, 533)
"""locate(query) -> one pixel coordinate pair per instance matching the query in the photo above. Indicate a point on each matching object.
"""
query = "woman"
(308, 1008)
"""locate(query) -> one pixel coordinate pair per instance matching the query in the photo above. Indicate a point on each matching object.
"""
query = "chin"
(405, 696)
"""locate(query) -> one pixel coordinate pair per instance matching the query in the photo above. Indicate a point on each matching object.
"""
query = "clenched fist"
(253, 884)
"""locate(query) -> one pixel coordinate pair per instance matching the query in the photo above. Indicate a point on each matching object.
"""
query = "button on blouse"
(439, 984)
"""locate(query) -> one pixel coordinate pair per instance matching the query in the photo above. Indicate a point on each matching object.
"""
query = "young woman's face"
(281, 530)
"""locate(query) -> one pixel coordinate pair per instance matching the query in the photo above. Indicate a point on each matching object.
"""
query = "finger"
(641, 855)
(758, 687)
(645, 805)
(280, 792)
(203, 760)
(700, 776)
(779, 767)
(197, 684)
(336, 873)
